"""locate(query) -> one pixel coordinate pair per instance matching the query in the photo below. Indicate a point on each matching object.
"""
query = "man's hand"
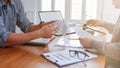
(41, 24)
(34, 27)
(45, 31)
(85, 42)
(48, 29)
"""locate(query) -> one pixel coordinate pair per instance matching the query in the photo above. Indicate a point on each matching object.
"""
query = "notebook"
(67, 57)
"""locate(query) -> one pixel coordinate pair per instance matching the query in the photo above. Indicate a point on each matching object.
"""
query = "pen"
(86, 27)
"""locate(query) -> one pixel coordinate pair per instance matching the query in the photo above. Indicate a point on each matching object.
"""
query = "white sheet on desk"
(68, 43)
(66, 59)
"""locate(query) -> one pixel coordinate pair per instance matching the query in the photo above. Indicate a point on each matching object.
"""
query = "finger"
(94, 24)
(89, 22)
(50, 22)
(53, 32)
(49, 25)
(80, 39)
(73, 38)
(41, 24)
(55, 28)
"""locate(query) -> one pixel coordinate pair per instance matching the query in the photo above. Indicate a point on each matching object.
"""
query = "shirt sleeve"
(3, 33)
(109, 26)
(22, 20)
(109, 49)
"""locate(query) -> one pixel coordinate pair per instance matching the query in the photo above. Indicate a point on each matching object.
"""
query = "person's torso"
(8, 15)
(116, 32)
(112, 62)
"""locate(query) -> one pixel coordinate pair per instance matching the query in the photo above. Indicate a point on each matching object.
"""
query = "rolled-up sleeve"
(3, 33)
(22, 20)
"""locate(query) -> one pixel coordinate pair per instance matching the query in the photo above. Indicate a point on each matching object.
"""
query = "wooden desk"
(29, 57)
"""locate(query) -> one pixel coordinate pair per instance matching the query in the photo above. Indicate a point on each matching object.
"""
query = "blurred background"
(75, 11)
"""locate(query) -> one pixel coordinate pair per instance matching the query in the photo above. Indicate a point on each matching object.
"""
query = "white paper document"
(64, 42)
(80, 33)
(64, 58)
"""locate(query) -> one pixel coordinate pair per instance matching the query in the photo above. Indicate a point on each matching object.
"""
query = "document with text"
(68, 56)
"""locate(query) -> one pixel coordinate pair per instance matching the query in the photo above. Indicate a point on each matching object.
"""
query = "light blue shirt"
(12, 14)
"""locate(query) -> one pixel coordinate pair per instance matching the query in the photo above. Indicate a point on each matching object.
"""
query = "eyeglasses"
(80, 54)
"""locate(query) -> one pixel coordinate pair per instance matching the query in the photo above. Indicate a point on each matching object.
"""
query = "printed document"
(63, 58)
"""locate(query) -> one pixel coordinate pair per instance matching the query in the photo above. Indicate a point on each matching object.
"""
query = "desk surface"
(29, 57)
